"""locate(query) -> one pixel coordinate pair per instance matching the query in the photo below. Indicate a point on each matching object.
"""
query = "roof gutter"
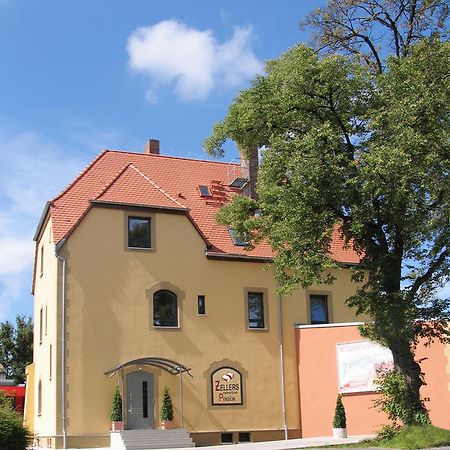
(238, 257)
(41, 221)
(63, 259)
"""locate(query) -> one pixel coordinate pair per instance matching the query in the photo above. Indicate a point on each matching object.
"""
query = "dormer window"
(239, 240)
(204, 190)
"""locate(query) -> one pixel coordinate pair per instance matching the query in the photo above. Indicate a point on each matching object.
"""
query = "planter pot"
(117, 426)
(340, 433)
(166, 424)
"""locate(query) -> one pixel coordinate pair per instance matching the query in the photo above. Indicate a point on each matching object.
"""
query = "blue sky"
(80, 76)
(77, 77)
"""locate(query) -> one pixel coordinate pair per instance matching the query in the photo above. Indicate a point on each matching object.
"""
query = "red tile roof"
(162, 182)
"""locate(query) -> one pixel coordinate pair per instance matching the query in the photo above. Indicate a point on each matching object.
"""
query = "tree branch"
(429, 273)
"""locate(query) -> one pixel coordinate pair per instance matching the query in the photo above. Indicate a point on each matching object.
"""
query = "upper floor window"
(41, 324)
(318, 307)
(139, 232)
(165, 309)
(42, 261)
(255, 309)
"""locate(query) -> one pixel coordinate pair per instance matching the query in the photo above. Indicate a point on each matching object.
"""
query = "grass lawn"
(411, 437)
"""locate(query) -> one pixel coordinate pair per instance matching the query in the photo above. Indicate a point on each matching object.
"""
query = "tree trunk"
(410, 369)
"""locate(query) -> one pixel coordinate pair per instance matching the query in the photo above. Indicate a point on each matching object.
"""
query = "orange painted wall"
(318, 381)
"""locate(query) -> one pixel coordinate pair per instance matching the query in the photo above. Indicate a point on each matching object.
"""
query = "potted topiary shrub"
(339, 421)
(166, 410)
(116, 412)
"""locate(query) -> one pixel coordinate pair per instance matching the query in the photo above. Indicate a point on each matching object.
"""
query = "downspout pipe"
(63, 340)
(283, 393)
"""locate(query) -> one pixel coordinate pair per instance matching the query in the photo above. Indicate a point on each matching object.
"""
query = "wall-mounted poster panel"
(360, 363)
(226, 387)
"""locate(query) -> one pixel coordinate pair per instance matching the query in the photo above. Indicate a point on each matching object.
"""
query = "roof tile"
(164, 182)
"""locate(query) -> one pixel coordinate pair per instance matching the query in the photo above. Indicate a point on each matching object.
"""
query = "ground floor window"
(226, 438)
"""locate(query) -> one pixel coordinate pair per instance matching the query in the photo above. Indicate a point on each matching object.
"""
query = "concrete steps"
(152, 439)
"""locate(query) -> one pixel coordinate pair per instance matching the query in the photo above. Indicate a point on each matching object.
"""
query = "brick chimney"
(151, 147)
(250, 162)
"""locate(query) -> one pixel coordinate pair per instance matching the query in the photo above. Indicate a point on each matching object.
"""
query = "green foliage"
(6, 402)
(340, 420)
(388, 432)
(16, 347)
(416, 437)
(116, 410)
(166, 407)
(361, 155)
(395, 402)
(13, 435)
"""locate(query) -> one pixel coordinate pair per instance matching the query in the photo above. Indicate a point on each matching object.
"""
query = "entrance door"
(140, 400)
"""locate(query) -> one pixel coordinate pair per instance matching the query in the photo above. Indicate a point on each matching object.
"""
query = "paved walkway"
(270, 445)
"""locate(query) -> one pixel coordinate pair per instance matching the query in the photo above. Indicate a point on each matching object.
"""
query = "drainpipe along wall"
(283, 394)
(63, 340)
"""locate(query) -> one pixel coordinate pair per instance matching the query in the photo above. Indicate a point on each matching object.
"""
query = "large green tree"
(16, 347)
(369, 154)
(369, 30)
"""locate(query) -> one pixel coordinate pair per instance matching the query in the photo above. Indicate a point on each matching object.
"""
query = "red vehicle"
(17, 393)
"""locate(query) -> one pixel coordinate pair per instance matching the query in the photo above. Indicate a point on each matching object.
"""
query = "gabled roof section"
(166, 183)
(132, 187)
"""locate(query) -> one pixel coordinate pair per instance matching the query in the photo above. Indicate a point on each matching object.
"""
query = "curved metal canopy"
(168, 365)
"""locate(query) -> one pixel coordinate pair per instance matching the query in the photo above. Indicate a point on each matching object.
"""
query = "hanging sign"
(226, 387)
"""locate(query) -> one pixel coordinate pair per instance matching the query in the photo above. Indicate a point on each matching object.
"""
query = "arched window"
(165, 309)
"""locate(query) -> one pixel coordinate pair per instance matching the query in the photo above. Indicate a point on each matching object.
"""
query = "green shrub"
(5, 401)
(13, 435)
(116, 411)
(388, 431)
(166, 408)
(395, 402)
(340, 420)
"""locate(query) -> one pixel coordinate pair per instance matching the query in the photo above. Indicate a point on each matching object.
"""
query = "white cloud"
(34, 170)
(171, 52)
(15, 256)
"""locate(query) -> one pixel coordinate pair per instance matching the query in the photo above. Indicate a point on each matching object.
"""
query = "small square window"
(318, 306)
(255, 306)
(244, 437)
(226, 438)
(139, 232)
(201, 304)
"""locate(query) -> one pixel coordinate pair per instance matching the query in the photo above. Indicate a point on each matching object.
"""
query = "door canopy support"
(173, 367)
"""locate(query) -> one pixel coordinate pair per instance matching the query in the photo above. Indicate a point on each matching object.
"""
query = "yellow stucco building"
(137, 286)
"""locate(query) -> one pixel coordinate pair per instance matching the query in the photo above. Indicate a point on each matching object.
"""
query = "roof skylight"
(204, 190)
